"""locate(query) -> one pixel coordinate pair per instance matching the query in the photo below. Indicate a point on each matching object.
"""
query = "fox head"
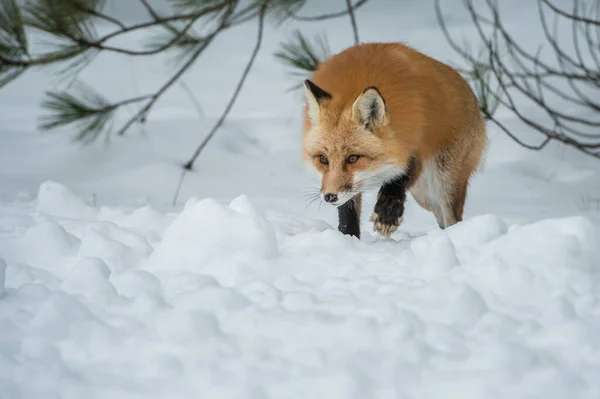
(343, 142)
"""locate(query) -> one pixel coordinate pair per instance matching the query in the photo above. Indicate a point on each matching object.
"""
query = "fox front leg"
(389, 208)
(349, 217)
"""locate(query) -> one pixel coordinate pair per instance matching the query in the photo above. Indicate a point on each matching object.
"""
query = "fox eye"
(323, 160)
(352, 158)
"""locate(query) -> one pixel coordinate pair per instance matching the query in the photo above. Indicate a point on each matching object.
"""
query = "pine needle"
(284, 9)
(9, 73)
(302, 56)
(174, 42)
(12, 29)
(84, 107)
(196, 5)
(13, 42)
(62, 18)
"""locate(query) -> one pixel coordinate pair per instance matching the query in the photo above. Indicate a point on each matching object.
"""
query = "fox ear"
(369, 108)
(315, 97)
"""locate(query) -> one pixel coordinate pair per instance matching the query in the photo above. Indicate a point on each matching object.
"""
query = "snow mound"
(226, 301)
(90, 279)
(207, 232)
(46, 245)
(120, 249)
(57, 200)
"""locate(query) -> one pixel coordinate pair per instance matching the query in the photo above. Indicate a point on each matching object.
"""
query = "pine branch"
(193, 98)
(177, 37)
(283, 9)
(150, 10)
(302, 56)
(176, 40)
(9, 73)
(323, 17)
(142, 113)
(157, 22)
(70, 25)
(13, 42)
(12, 28)
(94, 11)
(229, 19)
(352, 21)
(261, 17)
(191, 5)
(76, 35)
(84, 107)
(64, 19)
(107, 18)
(94, 115)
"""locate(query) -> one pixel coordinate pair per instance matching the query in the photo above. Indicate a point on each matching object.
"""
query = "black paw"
(388, 215)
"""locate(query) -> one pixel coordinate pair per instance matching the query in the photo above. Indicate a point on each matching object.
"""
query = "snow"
(242, 290)
(231, 303)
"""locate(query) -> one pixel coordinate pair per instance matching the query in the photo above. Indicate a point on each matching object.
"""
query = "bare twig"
(193, 98)
(100, 15)
(323, 17)
(150, 10)
(200, 115)
(261, 17)
(574, 17)
(141, 114)
(178, 187)
(84, 45)
(352, 21)
(533, 79)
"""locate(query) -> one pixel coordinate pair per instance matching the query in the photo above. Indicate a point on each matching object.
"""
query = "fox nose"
(330, 197)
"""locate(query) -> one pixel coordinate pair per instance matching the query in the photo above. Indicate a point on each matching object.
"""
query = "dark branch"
(190, 164)
(105, 17)
(352, 21)
(141, 114)
(323, 17)
(150, 10)
(521, 73)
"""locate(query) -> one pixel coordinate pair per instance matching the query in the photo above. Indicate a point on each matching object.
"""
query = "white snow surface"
(242, 290)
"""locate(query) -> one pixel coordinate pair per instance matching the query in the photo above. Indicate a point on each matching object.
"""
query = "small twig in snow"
(201, 115)
(178, 188)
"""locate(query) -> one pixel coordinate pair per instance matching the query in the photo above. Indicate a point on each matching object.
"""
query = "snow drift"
(228, 302)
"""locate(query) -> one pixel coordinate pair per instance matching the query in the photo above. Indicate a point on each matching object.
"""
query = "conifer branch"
(142, 113)
(102, 16)
(74, 41)
(302, 56)
(13, 42)
(150, 10)
(352, 21)
(261, 17)
(323, 17)
(85, 107)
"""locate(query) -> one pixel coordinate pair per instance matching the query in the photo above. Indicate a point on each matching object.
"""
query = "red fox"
(385, 116)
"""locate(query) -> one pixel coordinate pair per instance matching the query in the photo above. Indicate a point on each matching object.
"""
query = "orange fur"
(431, 115)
